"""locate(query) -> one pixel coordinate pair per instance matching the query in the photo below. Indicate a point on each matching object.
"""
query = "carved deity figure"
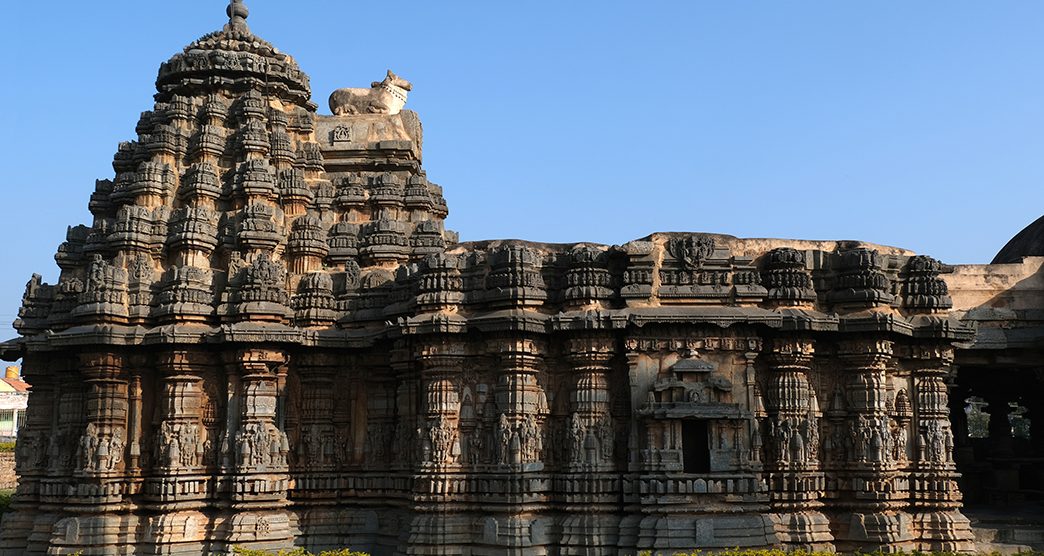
(115, 446)
(257, 446)
(784, 432)
(375, 444)
(947, 454)
(936, 442)
(812, 437)
(170, 445)
(605, 433)
(863, 432)
(85, 452)
(876, 445)
(899, 441)
(503, 440)
(797, 441)
(757, 447)
(343, 448)
(531, 439)
(476, 445)
(441, 437)
(576, 438)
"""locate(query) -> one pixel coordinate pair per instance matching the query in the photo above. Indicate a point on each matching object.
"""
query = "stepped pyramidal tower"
(267, 338)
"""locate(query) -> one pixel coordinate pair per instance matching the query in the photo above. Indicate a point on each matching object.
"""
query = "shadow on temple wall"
(997, 396)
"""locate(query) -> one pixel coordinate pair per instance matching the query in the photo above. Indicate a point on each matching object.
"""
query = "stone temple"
(267, 338)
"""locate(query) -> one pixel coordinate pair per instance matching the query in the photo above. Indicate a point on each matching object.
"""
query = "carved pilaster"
(316, 447)
(935, 498)
(590, 444)
(518, 432)
(876, 490)
(101, 451)
(181, 437)
(259, 448)
(441, 365)
(405, 427)
(260, 445)
(795, 482)
(43, 453)
(134, 421)
(590, 431)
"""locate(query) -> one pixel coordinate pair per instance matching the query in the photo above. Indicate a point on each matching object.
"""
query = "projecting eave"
(917, 326)
(13, 349)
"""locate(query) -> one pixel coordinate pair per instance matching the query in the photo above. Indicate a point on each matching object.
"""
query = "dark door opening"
(695, 447)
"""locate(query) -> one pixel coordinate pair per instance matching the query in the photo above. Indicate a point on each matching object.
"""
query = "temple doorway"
(695, 446)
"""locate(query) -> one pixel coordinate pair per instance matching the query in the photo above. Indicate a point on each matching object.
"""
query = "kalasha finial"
(237, 13)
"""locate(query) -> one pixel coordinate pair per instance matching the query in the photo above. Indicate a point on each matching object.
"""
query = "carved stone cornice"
(590, 351)
(689, 344)
(183, 362)
(928, 359)
(98, 365)
(791, 352)
(865, 353)
(259, 360)
(443, 353)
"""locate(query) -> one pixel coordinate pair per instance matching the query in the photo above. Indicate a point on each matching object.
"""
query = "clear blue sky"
(917, 124)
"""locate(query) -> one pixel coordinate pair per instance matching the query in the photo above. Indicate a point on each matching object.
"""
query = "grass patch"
(239, 551)
(781, 552)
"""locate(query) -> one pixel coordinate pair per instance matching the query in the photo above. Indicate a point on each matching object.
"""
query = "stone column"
(441, 364)
(795, 480)
(42, 443)
(102, 448)
(522, 403)
(406, 412)
(179, 486)
(871, 492)
(590, 433)
(135, 422)
(517, 441)
(179, 440)
(259, 451)
(315, 450)
(437, 528)
(90, 523)
(590, 437)
(935, 499)
(314, 444)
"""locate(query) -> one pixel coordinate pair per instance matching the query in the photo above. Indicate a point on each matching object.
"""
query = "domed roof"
(234, 57)
(1027, 243)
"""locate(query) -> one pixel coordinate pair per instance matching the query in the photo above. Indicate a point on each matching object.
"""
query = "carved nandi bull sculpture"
(383, 97)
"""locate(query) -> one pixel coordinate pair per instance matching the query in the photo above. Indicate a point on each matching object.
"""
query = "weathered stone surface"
(268, 338)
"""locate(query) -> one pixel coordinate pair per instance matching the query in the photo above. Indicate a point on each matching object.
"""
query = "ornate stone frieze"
(786, 277)
(923, 289)
(861, 280)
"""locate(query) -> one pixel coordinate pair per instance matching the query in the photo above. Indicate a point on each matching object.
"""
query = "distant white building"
(14, 396)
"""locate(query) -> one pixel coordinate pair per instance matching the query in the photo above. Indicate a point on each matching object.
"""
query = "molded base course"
(589, 535)
(809, 530)
(400, 532)
(944, 531)
(884, 531)
(685, 532)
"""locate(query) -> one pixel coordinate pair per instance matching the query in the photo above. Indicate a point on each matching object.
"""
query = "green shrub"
(5, 500)
(7, 446)
(781, 552)
(239, 551)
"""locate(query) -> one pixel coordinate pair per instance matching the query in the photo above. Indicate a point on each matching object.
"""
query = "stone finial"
(237, 13)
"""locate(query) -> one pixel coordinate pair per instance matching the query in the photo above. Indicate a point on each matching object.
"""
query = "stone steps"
(1009, 536)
